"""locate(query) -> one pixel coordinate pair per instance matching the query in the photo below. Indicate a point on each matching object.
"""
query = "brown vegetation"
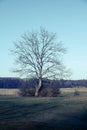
(69, 90)
(9, 92)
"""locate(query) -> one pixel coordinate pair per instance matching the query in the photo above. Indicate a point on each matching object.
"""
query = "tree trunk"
(38, 87)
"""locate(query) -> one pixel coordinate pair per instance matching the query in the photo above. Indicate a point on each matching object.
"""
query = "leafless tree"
(39, 55)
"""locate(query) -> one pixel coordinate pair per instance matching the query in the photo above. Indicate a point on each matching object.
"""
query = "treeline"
(17, 83)
(10, 82)
(72, 83)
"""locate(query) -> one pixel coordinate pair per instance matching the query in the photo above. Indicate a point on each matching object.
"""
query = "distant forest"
(17, 83)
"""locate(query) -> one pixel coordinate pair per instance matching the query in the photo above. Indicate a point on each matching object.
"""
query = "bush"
(76, 92)
(28, 88)
(48, 89)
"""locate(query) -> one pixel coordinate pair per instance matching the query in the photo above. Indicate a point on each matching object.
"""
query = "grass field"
(66, 112)
(15, 92)
(69, 90)
(9, 92)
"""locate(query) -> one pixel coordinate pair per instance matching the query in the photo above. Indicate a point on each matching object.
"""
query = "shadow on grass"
(71, 122)
(41, 114)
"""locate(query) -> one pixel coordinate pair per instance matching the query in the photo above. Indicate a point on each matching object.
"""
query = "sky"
(66, 18)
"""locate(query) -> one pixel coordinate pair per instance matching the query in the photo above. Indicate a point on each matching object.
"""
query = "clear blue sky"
(68, 18)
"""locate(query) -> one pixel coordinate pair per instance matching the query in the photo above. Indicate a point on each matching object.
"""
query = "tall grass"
(10, 92)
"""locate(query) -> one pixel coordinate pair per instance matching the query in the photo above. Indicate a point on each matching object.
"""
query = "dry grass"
(9, 92)
(69, 90)
(15, 92)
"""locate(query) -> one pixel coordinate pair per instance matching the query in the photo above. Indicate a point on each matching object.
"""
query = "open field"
(15, 92)
(66, 112)
(9, 92)
(69, 90)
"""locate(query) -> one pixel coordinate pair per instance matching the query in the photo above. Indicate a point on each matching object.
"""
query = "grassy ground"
(69, 90)
(66, 112)
(15, 92)
(10, 92)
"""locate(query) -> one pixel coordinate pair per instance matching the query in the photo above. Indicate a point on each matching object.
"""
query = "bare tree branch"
(39, 55)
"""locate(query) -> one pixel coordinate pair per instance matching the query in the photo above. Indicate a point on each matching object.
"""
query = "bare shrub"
(76, 92)
(28, 88)
(49, 89)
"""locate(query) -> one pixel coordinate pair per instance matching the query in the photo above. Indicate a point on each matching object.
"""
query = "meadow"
(66, 112)
(9, 92)
(15, 92)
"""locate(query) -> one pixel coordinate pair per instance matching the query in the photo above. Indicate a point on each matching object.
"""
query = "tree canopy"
(39, 55)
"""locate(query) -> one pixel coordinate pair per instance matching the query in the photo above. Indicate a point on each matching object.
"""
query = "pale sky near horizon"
(66, 18)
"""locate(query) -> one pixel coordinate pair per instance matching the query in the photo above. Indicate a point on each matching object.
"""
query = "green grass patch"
(66, 112)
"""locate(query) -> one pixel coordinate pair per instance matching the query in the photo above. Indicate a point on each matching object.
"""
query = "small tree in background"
(39, 55)
(76, 92)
